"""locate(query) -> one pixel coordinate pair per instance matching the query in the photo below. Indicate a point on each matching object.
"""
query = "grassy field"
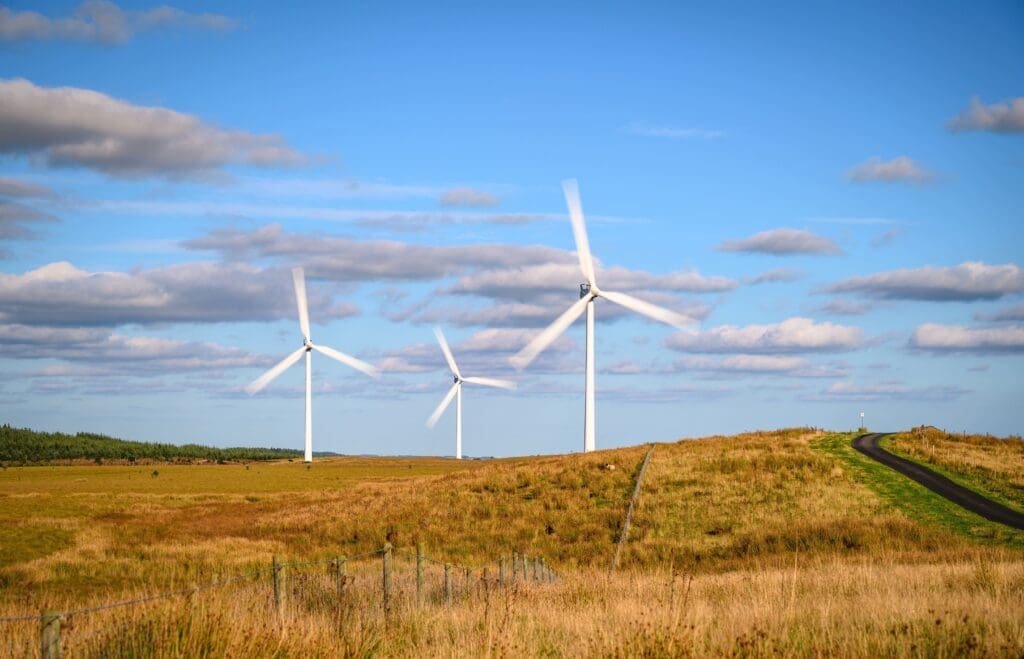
(992, 466)
(785, 541)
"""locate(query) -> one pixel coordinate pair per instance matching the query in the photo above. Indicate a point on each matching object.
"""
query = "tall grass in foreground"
(879, 609)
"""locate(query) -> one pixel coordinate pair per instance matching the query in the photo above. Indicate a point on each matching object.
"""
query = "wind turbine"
(299, 279)
(456, 392)
(588, 293)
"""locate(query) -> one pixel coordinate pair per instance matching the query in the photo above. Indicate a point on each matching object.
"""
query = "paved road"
(961, 496)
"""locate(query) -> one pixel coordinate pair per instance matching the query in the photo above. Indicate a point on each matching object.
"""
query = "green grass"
(915, 500)
(973, 477)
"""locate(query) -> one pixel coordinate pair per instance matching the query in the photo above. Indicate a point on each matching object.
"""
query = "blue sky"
(831, 193)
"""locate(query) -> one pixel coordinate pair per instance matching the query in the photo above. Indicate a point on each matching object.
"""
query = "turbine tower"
(588, 293)
(456, 392)
(299, 279)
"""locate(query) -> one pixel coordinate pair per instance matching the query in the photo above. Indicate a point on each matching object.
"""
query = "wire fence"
(392, 579)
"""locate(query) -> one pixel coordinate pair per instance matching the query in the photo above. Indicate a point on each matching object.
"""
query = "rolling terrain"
(785, 541)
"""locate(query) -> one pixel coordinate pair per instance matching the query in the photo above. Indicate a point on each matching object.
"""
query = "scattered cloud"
(101, 352)
(16, 220)
(468, 197)
(557, 277)
(776, 276)
(938, 338)
(102, 22)
(886, 238)
(70, 126)
(340, 258)
(900, 169)
(884, 391)
(59, 294)
(1003, 315)
(781, 242)
(648, 130)
(779, 365)
(842, 307)
(969, 281)
(12, 187)
(400, 220)
(1005, 117)
(794, 335)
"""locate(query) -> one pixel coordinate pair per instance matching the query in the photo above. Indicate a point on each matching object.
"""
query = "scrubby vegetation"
(992, 466)
(765, 543)
(22, 446)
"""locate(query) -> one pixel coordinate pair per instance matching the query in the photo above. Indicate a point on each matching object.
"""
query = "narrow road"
(961, 496)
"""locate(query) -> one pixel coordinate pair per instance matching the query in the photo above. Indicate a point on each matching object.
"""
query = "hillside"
(20, 446)
(749, 518)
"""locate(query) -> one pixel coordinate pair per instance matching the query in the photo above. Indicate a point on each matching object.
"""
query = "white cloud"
(647, 130)
(899, 169)
(776, 276)
(101, 352)
(794, 335)
(956, 338)
(99, 21)
(782, 242)
(850, 391)
(468, 197)
(972, 280)
(1005, 117)
(61, 294)
(841, 307)
(69, 126)
(778, 365)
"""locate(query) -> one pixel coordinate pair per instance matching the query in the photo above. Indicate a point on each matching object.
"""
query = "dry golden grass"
(784, 551)
(880, 609)
(994, 466)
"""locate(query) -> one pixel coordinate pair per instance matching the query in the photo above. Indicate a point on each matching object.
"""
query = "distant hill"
(25, 446)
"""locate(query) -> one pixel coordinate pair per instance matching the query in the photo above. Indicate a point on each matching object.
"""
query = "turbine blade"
(281, 367)
(647, 309)
(492, 382)
(579, 229)
(299, 279)
(550, 333)
(432, 421)
(447, 352)
(348, 360)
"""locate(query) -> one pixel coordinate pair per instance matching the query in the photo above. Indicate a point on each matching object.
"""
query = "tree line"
(26, 446)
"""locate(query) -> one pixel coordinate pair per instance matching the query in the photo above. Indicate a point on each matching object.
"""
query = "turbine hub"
(307, 344)
(587, 289)
(457, 379)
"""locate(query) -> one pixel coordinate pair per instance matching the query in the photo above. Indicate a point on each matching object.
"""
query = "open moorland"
(785, 542)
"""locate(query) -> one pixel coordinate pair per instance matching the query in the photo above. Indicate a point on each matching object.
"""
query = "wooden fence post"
(526, 576)
(501, 571)
(536, 564)
(340, 564)
(419, 573)
(49, 634)
(387, 578)
(515, 569)
(469, 590)
(278, 586)
(448, 583)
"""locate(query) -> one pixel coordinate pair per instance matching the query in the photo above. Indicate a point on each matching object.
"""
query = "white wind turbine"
(456, 392)
(588, 293)
(299, 279)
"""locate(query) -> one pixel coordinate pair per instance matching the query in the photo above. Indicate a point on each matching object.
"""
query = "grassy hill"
(781, 521)
(21, 446)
